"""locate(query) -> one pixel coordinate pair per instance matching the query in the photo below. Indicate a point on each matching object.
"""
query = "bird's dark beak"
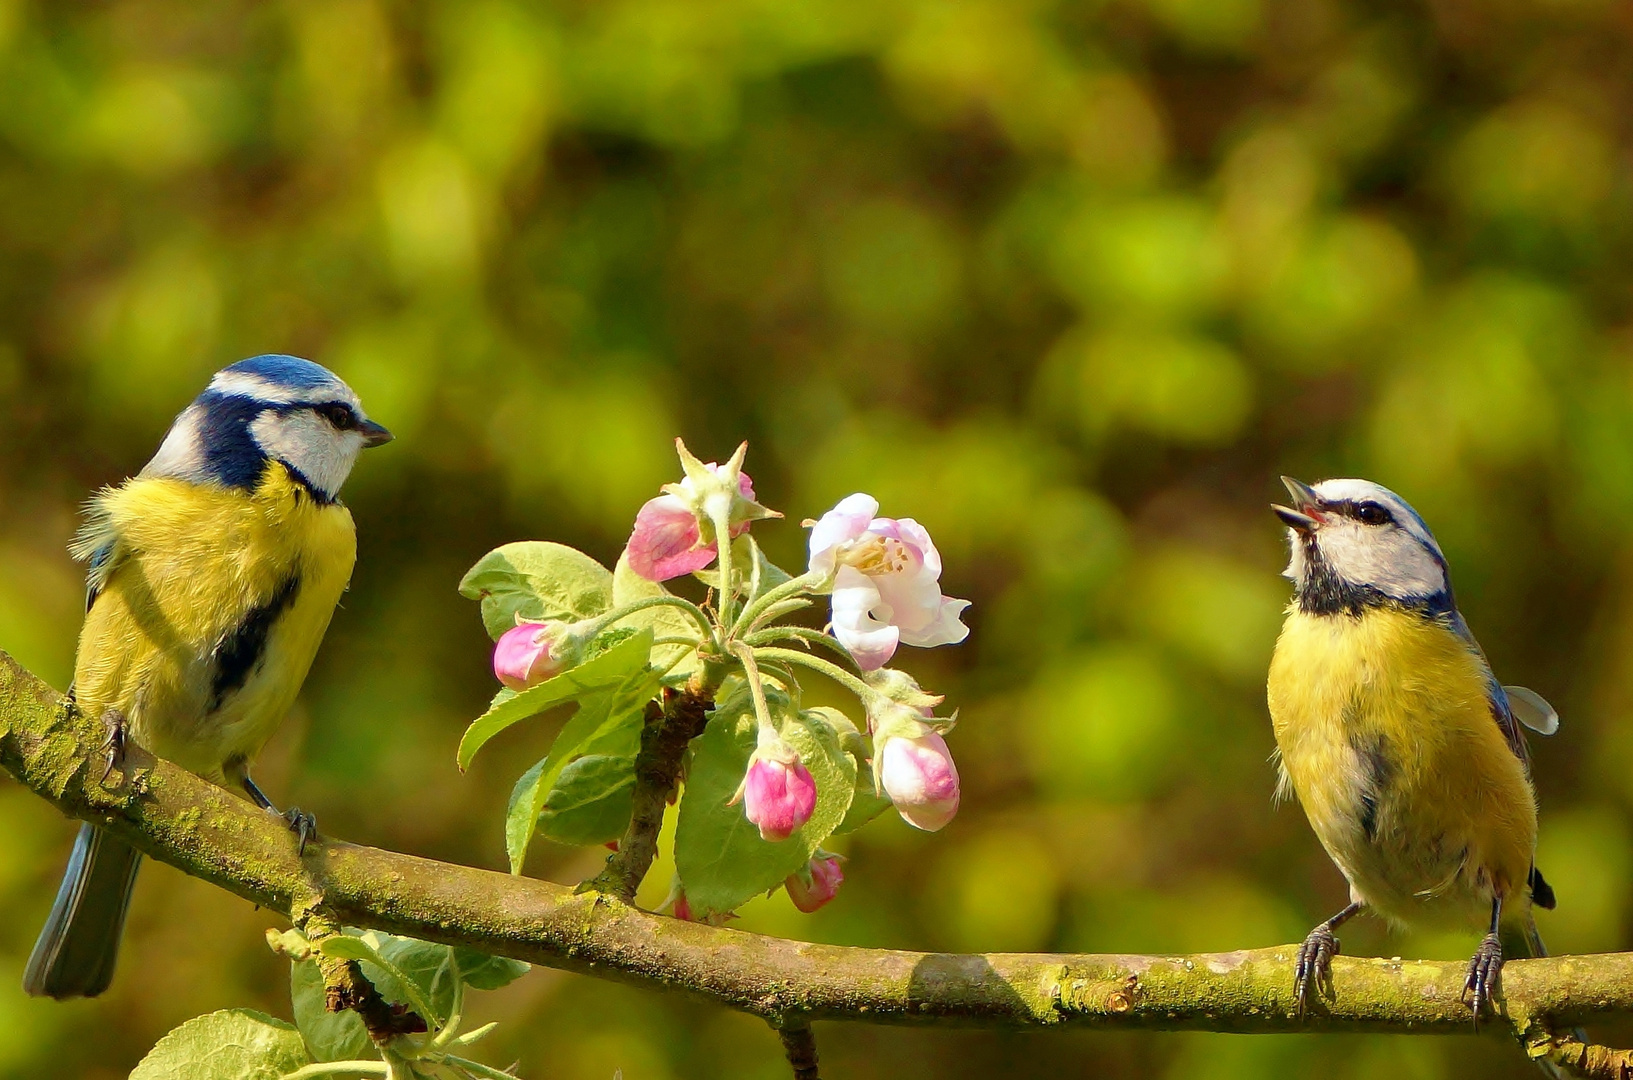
(1304, 500)
(373, 434)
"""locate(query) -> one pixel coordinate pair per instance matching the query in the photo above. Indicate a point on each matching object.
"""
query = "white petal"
(944, 629)
(844, 523)
(911, 532)
(910, 600)
(854, 600)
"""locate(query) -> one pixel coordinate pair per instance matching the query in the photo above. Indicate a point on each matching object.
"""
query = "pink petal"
(664, 544)
(920, 779)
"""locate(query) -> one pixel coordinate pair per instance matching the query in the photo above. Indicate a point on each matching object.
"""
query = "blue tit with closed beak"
(212, 577)
(1404, 750)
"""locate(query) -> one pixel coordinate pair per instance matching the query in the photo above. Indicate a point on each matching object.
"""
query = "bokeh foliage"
(1070, 283)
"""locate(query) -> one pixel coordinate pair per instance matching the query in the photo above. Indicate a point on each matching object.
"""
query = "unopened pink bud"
(667, 540)
(778, 795)
(920, 779)
(526, 655)
(817, 884)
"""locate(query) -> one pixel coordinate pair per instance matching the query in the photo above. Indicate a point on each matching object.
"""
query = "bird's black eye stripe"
(341, 416)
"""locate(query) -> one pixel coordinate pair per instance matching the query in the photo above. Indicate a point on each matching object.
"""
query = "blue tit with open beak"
(1404, 750)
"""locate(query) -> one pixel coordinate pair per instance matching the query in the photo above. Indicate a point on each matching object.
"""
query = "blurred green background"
(1070, 283)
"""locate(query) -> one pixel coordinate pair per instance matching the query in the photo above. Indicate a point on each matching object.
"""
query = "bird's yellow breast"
(1387, 737)
(212, 604)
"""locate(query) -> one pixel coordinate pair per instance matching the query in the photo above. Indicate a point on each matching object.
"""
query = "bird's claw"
(1485, 975)
(302, 824)
(1313, 966)
(113, 747)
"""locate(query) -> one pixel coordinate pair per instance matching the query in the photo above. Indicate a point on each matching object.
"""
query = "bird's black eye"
(341, 416)
(1372, 514)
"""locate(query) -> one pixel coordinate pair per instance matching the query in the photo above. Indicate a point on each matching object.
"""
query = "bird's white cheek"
(307, 443)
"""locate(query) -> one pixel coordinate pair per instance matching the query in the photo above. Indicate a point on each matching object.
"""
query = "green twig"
(825, 667)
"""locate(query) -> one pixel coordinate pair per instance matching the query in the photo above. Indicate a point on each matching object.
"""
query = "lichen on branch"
(208, 832)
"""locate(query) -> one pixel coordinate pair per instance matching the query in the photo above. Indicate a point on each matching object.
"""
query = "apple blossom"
(531, 652)
(674, 533)
(918, 776)
(778, 792)
(817, 883)
(886, 575)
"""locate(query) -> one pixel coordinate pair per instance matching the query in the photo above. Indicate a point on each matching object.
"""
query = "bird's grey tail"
(76, 950)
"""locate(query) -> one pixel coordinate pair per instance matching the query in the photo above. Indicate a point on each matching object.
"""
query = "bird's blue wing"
(1496, 698)
(97, 545)
(96, 572)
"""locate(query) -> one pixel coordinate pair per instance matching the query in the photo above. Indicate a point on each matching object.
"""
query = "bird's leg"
(302, 824)
(1313, 967)
(1486, 969)
(113, 746)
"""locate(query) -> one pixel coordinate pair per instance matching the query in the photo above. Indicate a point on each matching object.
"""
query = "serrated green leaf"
(592, 800)
(609, 722)
(234, 1044)
(628, 587)
(484, 972)
(866, 804)
(536, 579)
(600, 673)
(424, 963)
(330, 1036)
(720, 857)
(385, 956)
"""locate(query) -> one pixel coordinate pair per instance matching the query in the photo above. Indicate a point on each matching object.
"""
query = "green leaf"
(422, 963)
(592, 800)
(603, 672)
(866, 803)
(234, 1044)
(329, 1036)
(720, 857)
(628, 587)
(536, 579)
(609, 722)
(385, 956)
(484, 972)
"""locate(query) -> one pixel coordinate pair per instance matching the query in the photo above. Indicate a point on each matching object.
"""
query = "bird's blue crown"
(246, 417)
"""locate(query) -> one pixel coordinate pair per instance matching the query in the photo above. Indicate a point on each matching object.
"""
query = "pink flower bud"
(528, 654)
(817, 884)
(681, 909)
(667, 541)
(778, 791)
(919, 777)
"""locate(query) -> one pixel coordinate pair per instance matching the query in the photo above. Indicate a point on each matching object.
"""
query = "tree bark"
(206, 831)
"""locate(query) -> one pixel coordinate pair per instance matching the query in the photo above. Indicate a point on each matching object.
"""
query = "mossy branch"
(207, 832)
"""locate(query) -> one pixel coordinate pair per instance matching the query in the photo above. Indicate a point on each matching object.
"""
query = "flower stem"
(791, 587)
(728, 579)
(756, 687)
(825, 667)
(806, 634)
(698, 615)
(329, 1068)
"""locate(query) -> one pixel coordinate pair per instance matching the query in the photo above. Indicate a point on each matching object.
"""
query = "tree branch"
(657, 777)
(207, 832)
